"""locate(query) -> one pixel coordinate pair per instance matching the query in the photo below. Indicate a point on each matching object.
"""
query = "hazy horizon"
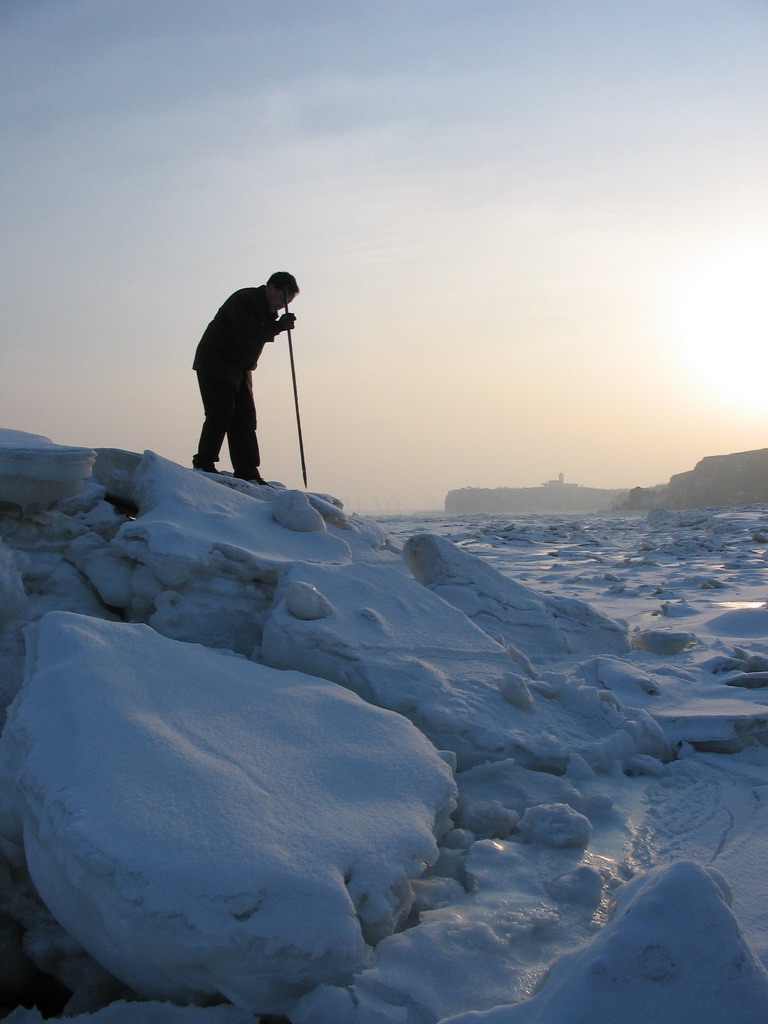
(530, 239)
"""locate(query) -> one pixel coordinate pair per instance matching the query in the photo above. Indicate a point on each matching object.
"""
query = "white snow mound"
(206, 826)
(400, 646)
(654, 961)
(544, 628)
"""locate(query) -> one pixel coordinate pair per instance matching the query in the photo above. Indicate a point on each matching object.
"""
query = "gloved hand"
(285, 322)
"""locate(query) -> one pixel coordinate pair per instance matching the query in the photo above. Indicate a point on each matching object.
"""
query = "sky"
(530, 235)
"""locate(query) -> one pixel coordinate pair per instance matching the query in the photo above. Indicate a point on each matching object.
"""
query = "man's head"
(281, 289)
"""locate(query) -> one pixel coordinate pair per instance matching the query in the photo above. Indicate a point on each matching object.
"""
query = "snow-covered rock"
(205, 826)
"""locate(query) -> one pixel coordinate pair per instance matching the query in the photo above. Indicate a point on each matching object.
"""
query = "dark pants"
(230, 413)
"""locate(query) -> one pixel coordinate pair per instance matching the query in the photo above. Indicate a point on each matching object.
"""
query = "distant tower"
(555, 483)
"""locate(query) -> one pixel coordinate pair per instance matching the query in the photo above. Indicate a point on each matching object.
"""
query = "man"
(228, 352)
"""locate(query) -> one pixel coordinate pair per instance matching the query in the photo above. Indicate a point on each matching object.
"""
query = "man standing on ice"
(228, 351)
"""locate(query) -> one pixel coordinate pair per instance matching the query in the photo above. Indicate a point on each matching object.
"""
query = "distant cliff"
(551, 497)
(737, 479)
(727, 480)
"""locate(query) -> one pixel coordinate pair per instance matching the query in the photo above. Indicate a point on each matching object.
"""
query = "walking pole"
(296, 396)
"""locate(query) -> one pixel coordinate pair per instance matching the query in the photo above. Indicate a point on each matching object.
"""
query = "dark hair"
(284, 282)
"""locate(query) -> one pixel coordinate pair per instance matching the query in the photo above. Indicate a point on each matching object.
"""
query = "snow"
(401, 646)
(545, 628)
(297, 845)
(35, 471)
(675, 913)
(263, 756)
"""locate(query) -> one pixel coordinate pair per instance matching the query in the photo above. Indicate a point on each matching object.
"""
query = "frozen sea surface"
(266, 757)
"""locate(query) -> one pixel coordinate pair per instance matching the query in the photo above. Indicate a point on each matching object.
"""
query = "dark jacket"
(234, 339)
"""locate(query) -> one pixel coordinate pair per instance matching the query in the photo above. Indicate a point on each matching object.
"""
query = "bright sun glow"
(720, 323)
